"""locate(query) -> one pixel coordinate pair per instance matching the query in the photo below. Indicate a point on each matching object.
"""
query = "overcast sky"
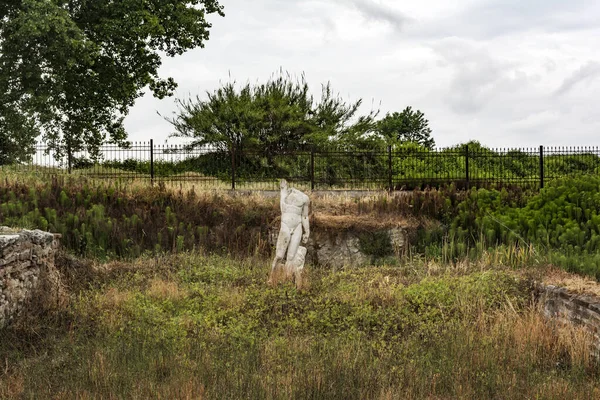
(508, 73)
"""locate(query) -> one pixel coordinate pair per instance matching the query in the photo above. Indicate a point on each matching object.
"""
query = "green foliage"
(274, 117)
(406, 126)
(377, 244)
(87, 62)
(106, 222)
(17, 137)
(560, 224)
(561, 221)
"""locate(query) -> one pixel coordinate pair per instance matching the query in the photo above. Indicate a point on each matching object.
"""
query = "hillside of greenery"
(559, 224)
(166, 297)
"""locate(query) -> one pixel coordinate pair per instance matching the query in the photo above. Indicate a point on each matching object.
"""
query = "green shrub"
(377, 244)
(108, 222)
(564, 216)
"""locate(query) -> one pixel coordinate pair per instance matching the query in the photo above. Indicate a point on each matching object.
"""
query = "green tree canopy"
(276, 116)
(17, 135)
(406, 126)
(70, 69)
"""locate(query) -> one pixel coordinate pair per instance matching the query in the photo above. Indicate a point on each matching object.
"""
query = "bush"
(564, 216)
(107, 222)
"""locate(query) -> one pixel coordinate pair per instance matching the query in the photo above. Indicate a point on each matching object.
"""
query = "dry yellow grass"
(280, 275)
(231, 297)
(337, 202)
(109, 304)
(115, 298)
(12, 386)
(187, 181)
(165, 290)
(524, 335)
(361, 222)
(531, 335)
(496, 343)
(573, 283)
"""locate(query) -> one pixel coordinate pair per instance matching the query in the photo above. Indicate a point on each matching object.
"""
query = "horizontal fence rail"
(389, 168)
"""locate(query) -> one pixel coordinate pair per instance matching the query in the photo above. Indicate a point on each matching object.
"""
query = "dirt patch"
(369, 223)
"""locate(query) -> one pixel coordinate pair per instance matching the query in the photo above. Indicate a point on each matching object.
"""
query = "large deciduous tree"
(276, 116)
(406, 126)
(71, 69)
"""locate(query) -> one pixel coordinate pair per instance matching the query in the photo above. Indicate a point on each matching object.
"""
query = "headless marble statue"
(294, 228)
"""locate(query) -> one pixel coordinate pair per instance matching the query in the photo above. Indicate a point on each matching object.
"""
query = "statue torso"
(291, 212)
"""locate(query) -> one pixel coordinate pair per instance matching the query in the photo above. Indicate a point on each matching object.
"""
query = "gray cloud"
(493, 18)
(477, 77)
(480, 70)
(381, 13)
(586, 72)
(329, 28)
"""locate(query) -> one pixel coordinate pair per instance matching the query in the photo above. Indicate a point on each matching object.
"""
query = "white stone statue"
(294, 228)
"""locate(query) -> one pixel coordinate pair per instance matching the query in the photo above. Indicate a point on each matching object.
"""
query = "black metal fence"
(402, 168)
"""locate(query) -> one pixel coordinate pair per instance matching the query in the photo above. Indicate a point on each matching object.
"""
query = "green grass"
(193, 326)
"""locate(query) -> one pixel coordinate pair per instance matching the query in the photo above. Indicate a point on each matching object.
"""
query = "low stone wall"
(342, 248)
(27, 271)
(564, 307)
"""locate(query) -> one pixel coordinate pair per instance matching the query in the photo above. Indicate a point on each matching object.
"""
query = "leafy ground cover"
(453, 319)
(198, 326)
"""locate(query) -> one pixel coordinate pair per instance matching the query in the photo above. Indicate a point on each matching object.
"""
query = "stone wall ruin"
(343, 247)
(27, 271)
(564, 307)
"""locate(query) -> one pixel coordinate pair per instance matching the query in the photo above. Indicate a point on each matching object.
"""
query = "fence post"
(232, 166)
(152, 162)
(390, 172)
(312, 168)
(541, 167)
(468, 182)
(69, 158)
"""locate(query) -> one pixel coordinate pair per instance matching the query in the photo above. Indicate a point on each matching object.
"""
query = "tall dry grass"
(191, 326)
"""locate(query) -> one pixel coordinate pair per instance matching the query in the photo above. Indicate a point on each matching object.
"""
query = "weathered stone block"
(569, 308)
(26, 270)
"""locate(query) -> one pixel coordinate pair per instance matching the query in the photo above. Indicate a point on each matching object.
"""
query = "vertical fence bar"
(467, 181)
(69, 159)
(233, 167)
(152, 162)
(390, 174)
(312, 168)
(541, 167)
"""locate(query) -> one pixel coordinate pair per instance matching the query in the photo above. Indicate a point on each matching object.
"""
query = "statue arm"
(305, 225)
(282, 194)
(282, 199)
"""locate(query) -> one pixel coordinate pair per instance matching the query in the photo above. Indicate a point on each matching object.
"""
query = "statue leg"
(292, 250)
(282, 245)
(299, 267)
